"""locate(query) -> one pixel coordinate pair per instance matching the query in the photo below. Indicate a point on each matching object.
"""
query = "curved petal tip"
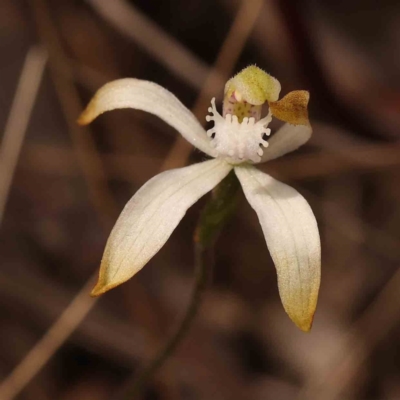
(83, 120)
(88, 114)
(102, 287)
(304, 324)
(97, 291)
(300, 302)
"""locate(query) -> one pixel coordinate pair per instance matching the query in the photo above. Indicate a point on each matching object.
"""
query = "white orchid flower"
(237, 141)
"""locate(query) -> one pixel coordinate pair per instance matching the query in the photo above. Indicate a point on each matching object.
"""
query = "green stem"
(214, 216)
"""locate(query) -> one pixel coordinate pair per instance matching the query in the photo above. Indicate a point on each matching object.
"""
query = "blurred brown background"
(61, 193)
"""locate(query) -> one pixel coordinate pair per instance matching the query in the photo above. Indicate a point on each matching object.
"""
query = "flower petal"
(150, 97)
(292, 237)
(150, 217)
(288, 138)
(292, 108)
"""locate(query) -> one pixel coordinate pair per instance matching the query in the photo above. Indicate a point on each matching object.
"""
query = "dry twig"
(18, 119)
(163, 47)
(100, 196)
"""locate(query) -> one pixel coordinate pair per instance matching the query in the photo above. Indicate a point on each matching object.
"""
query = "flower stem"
(214, 216)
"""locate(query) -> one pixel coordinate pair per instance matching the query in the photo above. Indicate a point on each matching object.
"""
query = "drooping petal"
(150, 97)
(151, 216)
(288, 138)
(292, 237)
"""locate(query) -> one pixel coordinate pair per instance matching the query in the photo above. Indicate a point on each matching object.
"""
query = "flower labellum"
(238, 140)
(292, 108)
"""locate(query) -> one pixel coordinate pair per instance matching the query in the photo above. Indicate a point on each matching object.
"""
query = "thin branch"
(127, 19)
(313, 73)
(61, 71)
(271, 39)
(43, 350)
(94, 173)
(122, 343)
(18, 119)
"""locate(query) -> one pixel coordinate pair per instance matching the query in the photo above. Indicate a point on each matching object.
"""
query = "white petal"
(150, 217)
(150, 97)
(288, 138)
(292, 237)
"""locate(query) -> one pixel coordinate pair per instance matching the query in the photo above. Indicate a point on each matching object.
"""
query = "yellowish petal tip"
(85, 118)
(305, 325)
(102, 287)
(82, 120)
(98, 290)
(304, 321)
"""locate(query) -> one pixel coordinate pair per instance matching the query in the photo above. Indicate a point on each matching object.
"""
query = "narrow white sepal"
(288, 138)
(292, 237)
(151, 216)
(153, 98)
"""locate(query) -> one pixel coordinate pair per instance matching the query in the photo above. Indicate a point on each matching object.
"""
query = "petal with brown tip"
(292, 237)
(151, 216)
